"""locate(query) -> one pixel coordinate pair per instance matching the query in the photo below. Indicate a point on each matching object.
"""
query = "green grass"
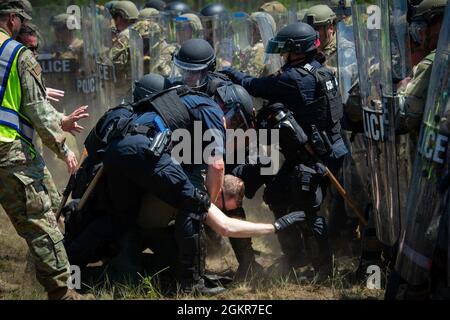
(13, 262)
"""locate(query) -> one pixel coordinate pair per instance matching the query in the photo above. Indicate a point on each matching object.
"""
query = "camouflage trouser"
(24, 194)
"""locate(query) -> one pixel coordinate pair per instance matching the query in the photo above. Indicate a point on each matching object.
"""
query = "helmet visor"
(192, 75)
(274, 46)
(235, 119)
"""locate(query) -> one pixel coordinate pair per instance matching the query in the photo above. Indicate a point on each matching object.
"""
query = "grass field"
(13, 271)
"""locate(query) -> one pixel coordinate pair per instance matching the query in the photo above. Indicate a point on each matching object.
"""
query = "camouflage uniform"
(120, 57)
(69, 54)
(330, 52)
(164, 51)
(415, 94)
(24, 180)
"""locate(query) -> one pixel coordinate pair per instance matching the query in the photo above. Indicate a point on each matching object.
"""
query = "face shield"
(290, 45)
(190, 74)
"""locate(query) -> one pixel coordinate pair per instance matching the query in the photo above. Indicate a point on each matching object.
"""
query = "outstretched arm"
(235, 228)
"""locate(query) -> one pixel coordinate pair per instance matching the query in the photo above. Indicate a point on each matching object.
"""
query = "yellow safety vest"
(13, 124)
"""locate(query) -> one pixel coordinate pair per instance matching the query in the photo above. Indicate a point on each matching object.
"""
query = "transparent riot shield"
(241, 32)
(354, 168)
(184, 31)
(60, 52)
(154, 40)
(428, 197)
(106, 74)
(136, 58)
(372, 34)
(217, 31)
(60, 57)
(267, 32)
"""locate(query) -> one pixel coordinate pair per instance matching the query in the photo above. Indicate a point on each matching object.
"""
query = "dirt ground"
(17, 282)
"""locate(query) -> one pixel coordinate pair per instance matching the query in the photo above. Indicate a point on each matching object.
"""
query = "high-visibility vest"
(13, 123)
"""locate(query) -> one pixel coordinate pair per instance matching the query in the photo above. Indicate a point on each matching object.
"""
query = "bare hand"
(71, 162)
(69, 123)
(54, 94)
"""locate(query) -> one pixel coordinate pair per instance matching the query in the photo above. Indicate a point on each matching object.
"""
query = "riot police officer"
(194, 65)
(304, 86)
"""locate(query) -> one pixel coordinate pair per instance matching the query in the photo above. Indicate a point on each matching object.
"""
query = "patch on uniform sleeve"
(32, 66)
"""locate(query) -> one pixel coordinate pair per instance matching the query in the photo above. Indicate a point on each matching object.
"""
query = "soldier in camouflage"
(278, 11)
(157, 52)
(125, 15)
(323, 19)
(23, 174)
(425, 27)
(252, 58)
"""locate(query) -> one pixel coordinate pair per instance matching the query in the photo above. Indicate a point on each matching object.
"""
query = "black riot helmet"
(149, 85)
(214, 9)
(155, 4)
(297, 37)
(237, 105)
(291, 134)
(192, 62)
(177, 7)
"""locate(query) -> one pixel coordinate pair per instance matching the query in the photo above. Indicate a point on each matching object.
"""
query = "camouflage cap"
(194, 21)
(147, 13)
(273, 7)
(319, 15)
(14, 6)
(60, 20)
(27, 7)
(126, 8)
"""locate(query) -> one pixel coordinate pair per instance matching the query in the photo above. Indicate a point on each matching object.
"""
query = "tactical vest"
(13, 123)
(326, 111)
(117, 122)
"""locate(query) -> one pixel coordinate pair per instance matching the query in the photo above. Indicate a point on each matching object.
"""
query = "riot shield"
(136, 58)
(60, 53)
(428, 197)
(217, 31)
(106, 75)
(184, 31)
(60, 57)
(372, 34)
(154, 42)
(354, 168)
(267, 32)
(241, 27)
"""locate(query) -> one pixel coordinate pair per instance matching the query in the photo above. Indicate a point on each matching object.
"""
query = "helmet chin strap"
(296, 60)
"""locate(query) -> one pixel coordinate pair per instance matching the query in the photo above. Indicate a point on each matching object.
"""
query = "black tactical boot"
(319, 249)
(190, 269)
(248, 268)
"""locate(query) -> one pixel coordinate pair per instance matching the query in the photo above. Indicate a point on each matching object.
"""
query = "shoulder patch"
(30, 63)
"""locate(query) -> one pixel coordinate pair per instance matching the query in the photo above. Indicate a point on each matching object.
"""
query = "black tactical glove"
(288, 220)
(229, 72)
